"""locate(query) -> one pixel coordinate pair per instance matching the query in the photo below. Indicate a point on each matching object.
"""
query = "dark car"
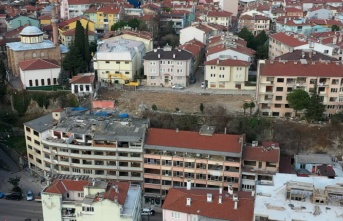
(14, 196)
(192, 80)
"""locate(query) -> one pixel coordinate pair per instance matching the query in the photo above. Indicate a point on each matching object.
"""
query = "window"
(117, 62)
(278, 98)
(326, 51)
(49, 81)
(176, 215)
(38, 161)
(54, 81)
(29, 146)
(239, 68)
(30, 83)
(36, 133)
(277, 105)
(279, 88)
(87, 171)
(126, 62)
(107, 62)
(42, 81)
(76, 170)
(80, 194)
(280, 80)
(36, 81)
(334, 90)
(37, 142)
(28, 138)
(126, 72)
(87, 209)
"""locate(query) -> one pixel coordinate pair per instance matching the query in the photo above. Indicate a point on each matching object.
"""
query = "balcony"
(152, 186)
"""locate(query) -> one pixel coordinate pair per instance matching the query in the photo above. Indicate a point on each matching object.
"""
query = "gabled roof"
(38, 64)
(288, 39)
(63, 186)
(228, 62)
(177, 198)
(237, 48)
(78, 2)
(110, 10)
(219, 14)
(261, 153)
(193, 140)
(82, 79)
(120, 194)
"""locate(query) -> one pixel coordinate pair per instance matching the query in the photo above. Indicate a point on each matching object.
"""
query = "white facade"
(230, 6)
(39, 77)
(232, 53)
(190, 33)
(320, 14)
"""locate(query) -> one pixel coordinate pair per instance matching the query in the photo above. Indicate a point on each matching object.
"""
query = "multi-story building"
(178, 18)
(219, 17)
(230, 49)
(73, 8)
(208, 204)
(107, 16)
(259, 164)
(118, 60)
(282, 43)
(168, 66)
(83, 200)
(291, 197)
(224, 73)
(198, 32)
(206, 159)
(275, 79)
(98, 145)
(230, 6)
(254, 24)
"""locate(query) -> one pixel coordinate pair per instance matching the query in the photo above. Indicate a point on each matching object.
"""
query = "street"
(156, 217)
(11, 210)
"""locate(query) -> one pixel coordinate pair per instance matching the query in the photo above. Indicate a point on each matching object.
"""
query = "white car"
(203, 85)
(148, 212)
(29, 195)
(177, 86)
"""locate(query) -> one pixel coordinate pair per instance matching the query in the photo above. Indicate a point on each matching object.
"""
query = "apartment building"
(118, 60)
(260, 163)
(74, 141)
(83, 200)
(73, 8)
(167, 66)
(275, 79)
(198, 32)
(282, 43)
(231, 50)
(291, 197)
(219, 17)
(225, 73)
(107, 16)
(254, 23)
(206, 159)
(177, 17)
(207, 204)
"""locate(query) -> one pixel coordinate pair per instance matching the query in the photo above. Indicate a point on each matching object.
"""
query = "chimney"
(189, 185)
(230, 190)
(173, 55)
(209, 198)
(159, 56)
(188, 203)
(220, 190)
(177, 130)
(236, 205)
(235, 199)
(253, 193)
(218, 61)
(220, 200)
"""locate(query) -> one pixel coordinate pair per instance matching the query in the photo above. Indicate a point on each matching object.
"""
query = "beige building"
(219, 17)
(282, 43)
(72, 142)
(83, 200)
(224, 73)
(254, 23)
(275, 79)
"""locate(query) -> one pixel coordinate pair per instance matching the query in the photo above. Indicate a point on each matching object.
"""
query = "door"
(166, 80)
(76, 89)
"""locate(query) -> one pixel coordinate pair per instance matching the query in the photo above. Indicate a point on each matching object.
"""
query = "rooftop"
(313, 158)
(308, 54)
(262, 153)
(82, 79)
(38, 64)
(177, 198)
(227, 62)
(19, 46)
(168, 53)
(288, 39)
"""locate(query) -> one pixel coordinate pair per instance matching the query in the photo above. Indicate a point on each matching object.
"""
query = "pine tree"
(79, 40)
(315, 108)
(87, 49)
(73, 62)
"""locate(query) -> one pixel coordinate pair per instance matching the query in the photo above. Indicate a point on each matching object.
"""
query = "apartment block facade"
(275, 79)
(76, 142)
(255, 23)
(173, 157)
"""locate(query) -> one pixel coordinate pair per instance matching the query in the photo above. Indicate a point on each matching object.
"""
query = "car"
(203, 85)
(14, 196)
(29, 195)
(193, 80)
(177, 86)
(148, 212)
(2, 195)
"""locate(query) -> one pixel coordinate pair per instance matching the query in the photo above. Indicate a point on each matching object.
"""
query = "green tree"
(201, 107)
(261, 39)
(134, 23)
(315, 108)
(2, 71)
(3, 91)
(87, 48)
(334, 28)
(298, 99)
(166, 9)
(118, 25)
(245, 106)
(15, 182)
(154, 107)
(262, 51)
(247, 36)
(251, 106)
(73, 62)
(79, 41)
(92, 48)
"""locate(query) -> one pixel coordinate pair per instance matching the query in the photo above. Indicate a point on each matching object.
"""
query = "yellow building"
(107, 16)
(70, 24)
(45, 20)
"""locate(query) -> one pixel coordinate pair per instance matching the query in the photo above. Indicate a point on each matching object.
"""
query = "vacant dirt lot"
(168, 101)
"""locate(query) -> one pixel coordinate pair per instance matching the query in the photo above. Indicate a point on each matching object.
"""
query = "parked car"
(2, 195)
(14, 196)
(193, 80)
(203, 85)
(177, 86)
(29, 195)
(148, 212)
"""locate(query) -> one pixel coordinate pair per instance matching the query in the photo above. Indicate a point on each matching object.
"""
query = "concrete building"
(39, 72)
(225, 73)
(20, 20)
(107, 16)
(299, 198)
(83, 84)
(230, 6)
(83, 200)
(118, 61)
(282, 43)
(75, 142)
(198, 32)
(314, 165)
(255, 24)
(275, 79)
(319, 13)
(177, 17)
(73, 8)
(168, 66)
(206, 159)
(219, 17)
(207, 204)
(230, 49)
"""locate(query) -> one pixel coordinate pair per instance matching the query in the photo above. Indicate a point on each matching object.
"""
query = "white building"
(319, 13)
(299, 198)
(82, 200)
(73, 8)
(198, 32)
(230, 6)
(230, 50)
(82, 84)
(167, 66)
(118, 61)
(39, 72)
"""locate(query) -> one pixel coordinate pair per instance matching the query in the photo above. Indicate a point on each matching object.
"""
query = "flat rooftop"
(271, 201)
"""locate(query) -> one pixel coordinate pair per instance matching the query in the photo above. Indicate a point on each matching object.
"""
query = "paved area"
(11, 210)
(156, 217)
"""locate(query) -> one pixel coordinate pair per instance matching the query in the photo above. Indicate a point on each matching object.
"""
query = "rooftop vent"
(207, 130)
(209, 197)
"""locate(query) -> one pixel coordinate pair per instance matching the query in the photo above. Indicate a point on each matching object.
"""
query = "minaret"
(54, 23)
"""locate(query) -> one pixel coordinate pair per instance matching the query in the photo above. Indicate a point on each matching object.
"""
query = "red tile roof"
(227, 62)
(38, 64)
(78, 2)
(261, 154)
(288, 39)
(103, 104)
(82, 79)
(238, 48)
(120, 195)
(219, 14)
(45, 17)
(192, 47)
(72, 32)
(293, 68)
(177, 198)
(193, 140)
(293, 10)
(110, 10)
(62, 186)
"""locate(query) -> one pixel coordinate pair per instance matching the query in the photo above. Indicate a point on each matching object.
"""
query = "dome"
(31, 30)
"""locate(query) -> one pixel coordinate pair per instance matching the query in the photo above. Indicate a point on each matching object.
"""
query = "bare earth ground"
(168, 101)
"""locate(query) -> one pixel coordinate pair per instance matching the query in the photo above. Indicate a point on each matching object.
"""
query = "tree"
(2, 71)
(73, 62)
(251, 106)
(247, 36)
(245, 106)
(262, 51)
(298, 100)
(154, 107)
(79, 41)
(315, 108)
(87, 48)
(15, 182)
(118, 25)
(334, 28)
(134, 23)
(261, 39)
(166, 9)
(92, 48)
(201, 107)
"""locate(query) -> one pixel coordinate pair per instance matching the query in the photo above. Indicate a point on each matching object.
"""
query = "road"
(156, 217)
(11, 210)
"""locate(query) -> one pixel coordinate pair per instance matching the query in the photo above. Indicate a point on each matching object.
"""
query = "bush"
(177, 109)
(154, 107)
